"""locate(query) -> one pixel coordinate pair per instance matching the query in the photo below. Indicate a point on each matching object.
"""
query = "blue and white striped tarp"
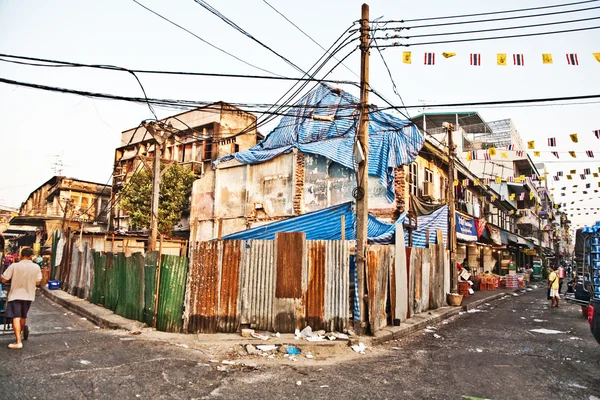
(321, 225)
(392, 141)
(326, 225)
(437, 220)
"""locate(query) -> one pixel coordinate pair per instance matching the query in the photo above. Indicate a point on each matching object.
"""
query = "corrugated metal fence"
(278, 285)
(126, 284)
(417, 279)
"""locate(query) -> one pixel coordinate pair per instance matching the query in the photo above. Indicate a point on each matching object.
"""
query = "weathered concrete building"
(201, 136)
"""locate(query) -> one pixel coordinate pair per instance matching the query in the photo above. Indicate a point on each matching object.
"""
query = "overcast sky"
(41, 128)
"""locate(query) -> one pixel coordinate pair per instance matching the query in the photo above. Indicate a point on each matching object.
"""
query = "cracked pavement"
(490, 352)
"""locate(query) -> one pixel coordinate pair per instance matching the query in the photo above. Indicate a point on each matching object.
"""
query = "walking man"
(24, 276)
(553, 287)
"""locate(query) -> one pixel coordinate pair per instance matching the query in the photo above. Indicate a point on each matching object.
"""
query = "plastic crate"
(53, 284)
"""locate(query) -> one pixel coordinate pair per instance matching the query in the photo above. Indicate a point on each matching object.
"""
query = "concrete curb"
(100, 316)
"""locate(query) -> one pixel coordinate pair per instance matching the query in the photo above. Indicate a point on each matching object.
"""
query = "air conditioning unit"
(428, 189)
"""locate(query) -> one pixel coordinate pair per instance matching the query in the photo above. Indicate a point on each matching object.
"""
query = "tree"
(175, 190)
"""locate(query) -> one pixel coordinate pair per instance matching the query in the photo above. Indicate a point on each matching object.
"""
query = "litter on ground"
(266, 347)
(359, 348)
(546, 331)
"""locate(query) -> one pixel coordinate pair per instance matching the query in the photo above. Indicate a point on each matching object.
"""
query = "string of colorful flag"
(502, 59)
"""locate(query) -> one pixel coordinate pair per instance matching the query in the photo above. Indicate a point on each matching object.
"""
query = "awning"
(495, 235)
(517, 188)
(504, 237)
(512, 238)
(465, 228)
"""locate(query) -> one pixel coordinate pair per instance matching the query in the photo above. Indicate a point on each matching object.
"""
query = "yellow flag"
(512, 196)
(476, 182)
(517, 179)
(572, 153)
(569, 177)
(536, 153)
(455, 183)
(531, 194)
(547, 58)
(504, 154)
(406, 57)
(498, 180)
(522, 178)
(501, 58)
(492, 151)
(531, 145)
(542, 178)
(448, 55)
(494, 198)
(469, 156)
(597, 56)
(595, 174)
(573, 137)
(573, 171)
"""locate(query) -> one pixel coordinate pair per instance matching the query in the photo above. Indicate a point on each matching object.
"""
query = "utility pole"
(161, 133)
(451, 209)
(362, 185)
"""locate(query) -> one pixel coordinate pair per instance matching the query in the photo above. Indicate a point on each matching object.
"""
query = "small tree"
(175, 190)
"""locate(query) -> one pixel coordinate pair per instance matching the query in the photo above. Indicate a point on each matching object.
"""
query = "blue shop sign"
(465, 228)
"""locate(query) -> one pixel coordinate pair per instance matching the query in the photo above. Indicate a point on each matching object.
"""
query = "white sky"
(37, 125)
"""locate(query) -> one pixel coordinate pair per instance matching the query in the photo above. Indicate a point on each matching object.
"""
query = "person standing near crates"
(24, 276)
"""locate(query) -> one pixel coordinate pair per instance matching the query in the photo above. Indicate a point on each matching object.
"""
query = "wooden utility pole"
(161, 133)
(362, 184)
(451, 209)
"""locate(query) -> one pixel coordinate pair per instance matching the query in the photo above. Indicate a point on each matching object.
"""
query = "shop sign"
(465, 228)
(530, 252)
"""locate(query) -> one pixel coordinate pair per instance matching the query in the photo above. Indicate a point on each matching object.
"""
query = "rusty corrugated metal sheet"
(258, 284)
(228, 318)
(378, 260)
(315, 293)
(73, 273)
(337, 286)
(203, 287)
(291, 281)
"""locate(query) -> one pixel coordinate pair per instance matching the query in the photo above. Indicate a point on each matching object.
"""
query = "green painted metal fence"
(127, 286)
(173, 276)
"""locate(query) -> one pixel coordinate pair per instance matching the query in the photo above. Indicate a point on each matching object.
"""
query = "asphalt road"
(491, 353)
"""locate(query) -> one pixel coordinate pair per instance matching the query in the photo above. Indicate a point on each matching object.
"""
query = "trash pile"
(320, 336)
(307, 334)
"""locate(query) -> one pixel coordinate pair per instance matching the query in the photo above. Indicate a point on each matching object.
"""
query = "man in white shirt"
(24, 276)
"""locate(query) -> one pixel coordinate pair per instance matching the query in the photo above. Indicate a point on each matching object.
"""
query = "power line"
(484, 20)
(204, 41)
(389, 37)
(62, 64)
(229, 22)
(398, 44)
(190, 104)
(493, 12)
(305, 34)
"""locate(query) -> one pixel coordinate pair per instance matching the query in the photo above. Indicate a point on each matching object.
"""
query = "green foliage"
(175, 190)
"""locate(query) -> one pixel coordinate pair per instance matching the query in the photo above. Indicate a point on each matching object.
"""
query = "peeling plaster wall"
(271, 188)
(327, 183)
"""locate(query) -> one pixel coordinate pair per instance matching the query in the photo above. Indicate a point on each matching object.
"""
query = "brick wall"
(299, 183)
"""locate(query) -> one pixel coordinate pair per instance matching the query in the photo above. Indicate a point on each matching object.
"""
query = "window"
(413, 177)
(468, 196)
(428, 175)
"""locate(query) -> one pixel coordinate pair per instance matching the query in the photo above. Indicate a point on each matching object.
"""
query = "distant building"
(59, 202)
(202, 135)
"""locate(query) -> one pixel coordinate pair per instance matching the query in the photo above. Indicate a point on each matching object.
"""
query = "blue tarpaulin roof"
(326, 225)
(392, 141)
